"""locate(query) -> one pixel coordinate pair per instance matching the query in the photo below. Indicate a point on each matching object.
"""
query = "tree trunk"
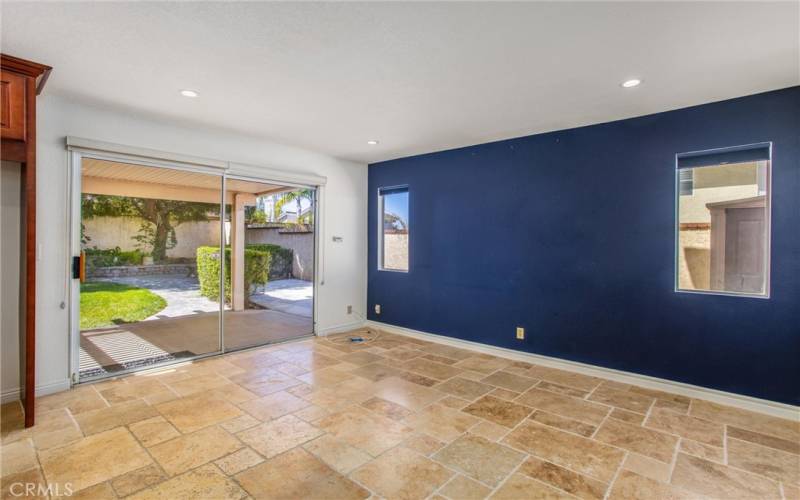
(160, 238)
(299, 208)
(155, 213)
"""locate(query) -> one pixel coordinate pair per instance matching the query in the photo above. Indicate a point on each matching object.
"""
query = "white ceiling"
(419, 77)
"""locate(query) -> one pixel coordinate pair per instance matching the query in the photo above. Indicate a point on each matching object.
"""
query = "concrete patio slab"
(189, 325)
(291, 296)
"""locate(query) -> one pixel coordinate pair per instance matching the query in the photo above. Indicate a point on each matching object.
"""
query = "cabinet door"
(12, 106)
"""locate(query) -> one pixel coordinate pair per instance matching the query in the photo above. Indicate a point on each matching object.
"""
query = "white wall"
(345, 211)
(10, 314)
(112, 232)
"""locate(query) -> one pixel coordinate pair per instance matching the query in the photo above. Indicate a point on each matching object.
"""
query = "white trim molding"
(84, 145)
(355, 325)
(146, 156)
(772, 408)
(41, 390)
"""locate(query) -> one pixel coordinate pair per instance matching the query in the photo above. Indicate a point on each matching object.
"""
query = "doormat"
(136, 364)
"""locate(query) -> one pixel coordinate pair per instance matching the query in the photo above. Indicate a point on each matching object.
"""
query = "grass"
(108, 303)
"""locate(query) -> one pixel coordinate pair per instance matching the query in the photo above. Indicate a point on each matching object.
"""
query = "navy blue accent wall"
(571, 235)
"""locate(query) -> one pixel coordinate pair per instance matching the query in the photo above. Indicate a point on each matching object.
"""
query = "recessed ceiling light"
(634, 82)
(189, 93)
(372, 142)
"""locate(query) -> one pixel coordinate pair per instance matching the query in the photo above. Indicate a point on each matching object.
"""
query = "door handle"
(79, 267)
(82, 271)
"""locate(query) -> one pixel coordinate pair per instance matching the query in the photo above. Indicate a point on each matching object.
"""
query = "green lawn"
(107, 304)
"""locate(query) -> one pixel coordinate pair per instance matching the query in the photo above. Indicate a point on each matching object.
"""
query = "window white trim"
(380, 229)
(768, 244)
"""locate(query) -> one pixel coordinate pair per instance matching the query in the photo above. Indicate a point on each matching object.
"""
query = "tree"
(393, 223)
(297, 196)
(255, 216)
(159, 217)
(277, 208)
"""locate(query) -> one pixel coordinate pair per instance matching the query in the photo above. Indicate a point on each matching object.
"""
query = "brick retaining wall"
(155, 269)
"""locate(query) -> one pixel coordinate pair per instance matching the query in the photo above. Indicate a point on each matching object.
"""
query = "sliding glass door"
(141, 302)
(270, 263)
(174, 263)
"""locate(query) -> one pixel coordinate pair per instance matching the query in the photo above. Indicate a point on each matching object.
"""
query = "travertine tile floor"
(393, 418)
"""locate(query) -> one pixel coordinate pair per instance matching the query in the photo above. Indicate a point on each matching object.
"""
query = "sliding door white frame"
(80, 148)
(75, 165)
(317, 271)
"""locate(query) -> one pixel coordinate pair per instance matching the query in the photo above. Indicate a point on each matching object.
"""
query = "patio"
(189, 325)
(181, 292)
(291, 296)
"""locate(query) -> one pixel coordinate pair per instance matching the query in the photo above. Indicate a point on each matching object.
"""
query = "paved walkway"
(181, 293)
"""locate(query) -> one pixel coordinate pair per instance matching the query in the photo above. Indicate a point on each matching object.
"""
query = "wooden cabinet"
(20, 82)
(12, 106)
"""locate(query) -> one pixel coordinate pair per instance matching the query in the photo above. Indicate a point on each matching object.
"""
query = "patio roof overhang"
(104, 177)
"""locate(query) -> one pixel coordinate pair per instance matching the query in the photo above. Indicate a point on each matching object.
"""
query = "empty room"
(400, 250)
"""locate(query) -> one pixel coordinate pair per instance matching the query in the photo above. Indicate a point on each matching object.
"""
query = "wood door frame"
(24, 152)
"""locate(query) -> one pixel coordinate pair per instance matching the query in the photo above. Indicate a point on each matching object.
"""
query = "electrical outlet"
(377, 308)
(349, 309)
(520, 333)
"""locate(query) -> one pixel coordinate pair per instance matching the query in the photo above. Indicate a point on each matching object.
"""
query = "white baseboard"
(9, 395)
(324, 332)
(42, 390)
(773, 408)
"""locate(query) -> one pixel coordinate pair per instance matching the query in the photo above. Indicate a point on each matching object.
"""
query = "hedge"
(109, 257)
(258, 260)
(280, 262)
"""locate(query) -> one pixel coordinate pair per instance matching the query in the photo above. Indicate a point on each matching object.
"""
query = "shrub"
(258, 217)
(108, 257)
(208, 272)
(256, 269)
(258, 261)
(280, 261)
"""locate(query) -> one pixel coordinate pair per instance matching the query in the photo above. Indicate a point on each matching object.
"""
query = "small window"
(393, 239)
(686, 181)
(723, 221)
